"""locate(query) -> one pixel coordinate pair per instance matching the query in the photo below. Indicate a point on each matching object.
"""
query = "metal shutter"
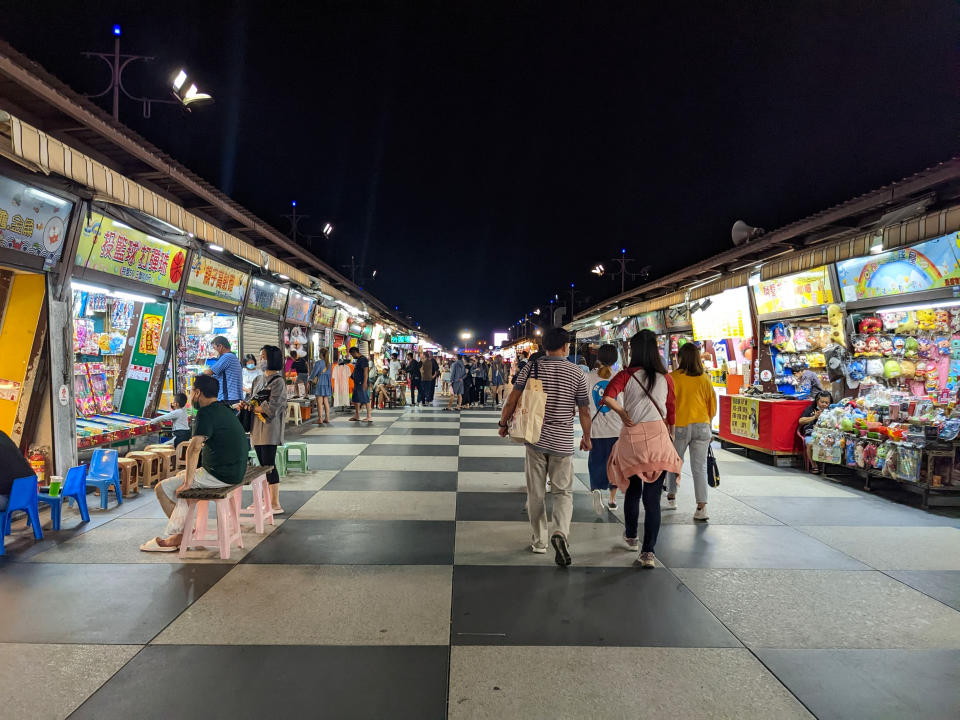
(363, 346)
(257, 333)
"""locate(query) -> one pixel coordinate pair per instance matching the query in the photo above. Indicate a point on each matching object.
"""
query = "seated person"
(380, 394)
(13, 465)
(178, 416)
(223, 460)
(821, 401)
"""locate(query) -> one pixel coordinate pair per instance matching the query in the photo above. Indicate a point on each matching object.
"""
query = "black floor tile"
(424, 432)
(202, 681)
(507, 506)
(747, 546)
(427, 418)
(845, 511)
(869, 684)
(109, 604)
(466, 424)
(480, 440)
(579, 606)
(407, 450)
(330, 462)
(357, 542)
(942, 585)
(290, 500)
(491, 464)
(393, 480)
(338, 439)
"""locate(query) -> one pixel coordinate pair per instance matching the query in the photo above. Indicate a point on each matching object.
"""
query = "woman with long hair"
(604, 430)
(497, 375)
(324, 387)
(696, 406)
(642, 395)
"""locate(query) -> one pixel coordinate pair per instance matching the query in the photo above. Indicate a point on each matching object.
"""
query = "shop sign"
(745, 417)
(139, 372)
(341, 321)
(146, 354)
(32, 221)
(404, 339)
(323, 315)
(626, 330)
(267, 297)
(927, 266)
(299, 308)
(793, 292)
(677, 316)
(650, 321)
(367, 332)
(117, 249)
(217, 281)
(726, 316)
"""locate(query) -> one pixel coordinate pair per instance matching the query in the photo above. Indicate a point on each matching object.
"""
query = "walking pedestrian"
(696, 406)
(643, 455)
(552, 454)
(604, 430)
(497, 375)
(458, 372)
(361, 384)
(426, 378)
(269, 403)
(521, 364)
(413, 375)
(468, 386)
(445, 378)
(323, 386)
(480, 381)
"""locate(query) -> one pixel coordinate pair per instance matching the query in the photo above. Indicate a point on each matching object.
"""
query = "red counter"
(766, 425)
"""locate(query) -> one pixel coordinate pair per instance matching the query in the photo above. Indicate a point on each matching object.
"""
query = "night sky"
(481, 156)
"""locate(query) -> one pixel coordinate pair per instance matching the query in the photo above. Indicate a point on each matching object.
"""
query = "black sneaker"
(559, 543)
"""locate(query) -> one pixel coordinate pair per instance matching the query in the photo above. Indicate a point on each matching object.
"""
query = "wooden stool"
(129, 475)
(182, 456)
(293, 413)
(169, 456)
(150, 466)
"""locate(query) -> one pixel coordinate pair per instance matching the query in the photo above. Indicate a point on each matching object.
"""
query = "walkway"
(401, 587)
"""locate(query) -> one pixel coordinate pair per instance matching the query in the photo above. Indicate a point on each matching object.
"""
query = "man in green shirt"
(220, 445)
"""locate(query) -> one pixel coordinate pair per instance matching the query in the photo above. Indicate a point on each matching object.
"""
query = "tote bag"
(527, 420)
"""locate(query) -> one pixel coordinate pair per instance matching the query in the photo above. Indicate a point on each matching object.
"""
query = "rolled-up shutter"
(257, 333)
(363, 346)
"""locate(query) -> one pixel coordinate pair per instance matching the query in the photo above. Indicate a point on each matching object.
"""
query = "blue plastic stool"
(23, 496)
(74, 487)
(103, 472)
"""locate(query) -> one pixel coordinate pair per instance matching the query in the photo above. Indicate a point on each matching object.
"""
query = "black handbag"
(713, 472)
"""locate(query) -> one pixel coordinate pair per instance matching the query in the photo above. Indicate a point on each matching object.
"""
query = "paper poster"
(150, 330)
(139, 372)
(9, 390)
(745, 417)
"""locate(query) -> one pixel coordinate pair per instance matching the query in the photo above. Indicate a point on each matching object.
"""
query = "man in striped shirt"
(227, 371)
(566, 389)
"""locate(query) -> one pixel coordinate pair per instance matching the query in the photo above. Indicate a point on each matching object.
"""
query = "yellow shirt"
(695, 400)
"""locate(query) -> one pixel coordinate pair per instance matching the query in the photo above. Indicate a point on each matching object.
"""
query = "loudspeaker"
(741, 232)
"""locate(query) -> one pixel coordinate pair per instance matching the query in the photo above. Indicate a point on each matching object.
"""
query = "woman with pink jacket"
(642, 395)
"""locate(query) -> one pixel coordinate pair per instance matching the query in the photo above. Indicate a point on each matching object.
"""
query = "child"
(605, 429)
(181, 422)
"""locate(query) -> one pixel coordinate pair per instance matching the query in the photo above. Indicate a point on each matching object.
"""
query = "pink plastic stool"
(228, 525)
(261, 508)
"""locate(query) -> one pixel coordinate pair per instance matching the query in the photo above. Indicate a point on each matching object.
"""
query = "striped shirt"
(566, 388)
(227, 370)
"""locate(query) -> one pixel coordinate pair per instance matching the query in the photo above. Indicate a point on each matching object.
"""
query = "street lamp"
(598, 270)
(191, 94)
(466, 335)
(327, 229)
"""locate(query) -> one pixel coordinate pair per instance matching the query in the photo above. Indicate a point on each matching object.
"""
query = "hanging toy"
(942, 321)
(886, 346)
(911, 348)
(926, 320)
(869, 325)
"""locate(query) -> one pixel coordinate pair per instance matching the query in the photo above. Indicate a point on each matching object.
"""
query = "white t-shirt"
(606, 423)
(394, 370)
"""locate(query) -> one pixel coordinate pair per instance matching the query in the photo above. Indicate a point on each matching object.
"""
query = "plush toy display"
(835, 319)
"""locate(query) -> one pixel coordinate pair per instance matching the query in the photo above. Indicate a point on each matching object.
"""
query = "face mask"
(251, 366)
(262, 364)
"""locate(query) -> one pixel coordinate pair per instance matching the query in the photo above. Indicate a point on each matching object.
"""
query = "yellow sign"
(793, 292)
(727, 315)
(150, 330)
(745, 417)
(210, 279)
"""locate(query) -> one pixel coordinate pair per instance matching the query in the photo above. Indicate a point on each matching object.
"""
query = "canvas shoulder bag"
(527, 421)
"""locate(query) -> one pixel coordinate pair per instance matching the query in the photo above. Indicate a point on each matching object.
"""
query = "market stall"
(211, 307)
(261, 317)
(122, 321)
(798, 325)
(723, 328)
(322, 332)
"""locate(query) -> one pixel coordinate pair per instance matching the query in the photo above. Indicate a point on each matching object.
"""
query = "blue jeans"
(650, 494)
(597, 462)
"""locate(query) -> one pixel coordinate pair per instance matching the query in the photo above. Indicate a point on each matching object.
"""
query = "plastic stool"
(150, 466)
(301, 462)
(281, 462)
(168, 457)
(261, 508)
(129, 470)
(182, 456)
(252, 455)
(293, 413)
(228, 526)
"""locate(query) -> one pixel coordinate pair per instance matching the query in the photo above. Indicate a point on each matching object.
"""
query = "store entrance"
(196, 331)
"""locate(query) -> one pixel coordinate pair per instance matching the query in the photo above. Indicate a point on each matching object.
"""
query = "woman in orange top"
(696, 404)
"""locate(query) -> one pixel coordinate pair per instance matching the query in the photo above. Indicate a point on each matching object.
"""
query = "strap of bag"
(663, 415)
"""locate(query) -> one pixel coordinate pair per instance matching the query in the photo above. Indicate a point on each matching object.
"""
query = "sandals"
(151, 545)
(354, 419)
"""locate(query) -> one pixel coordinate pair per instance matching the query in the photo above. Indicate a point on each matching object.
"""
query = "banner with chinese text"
(745, 417)
(210, 279)
(793, 292)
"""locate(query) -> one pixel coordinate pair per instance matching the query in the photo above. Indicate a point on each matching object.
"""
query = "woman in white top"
(251, 371)
(604, 430)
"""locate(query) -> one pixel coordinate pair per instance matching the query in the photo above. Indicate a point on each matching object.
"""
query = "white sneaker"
(647, 560)
(671, 504)
(701, 513)
(597, 502)
(538, 549)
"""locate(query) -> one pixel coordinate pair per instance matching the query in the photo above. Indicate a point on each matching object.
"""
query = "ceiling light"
(877, 246)
(283, 277)
(84, 287)
(215, 247)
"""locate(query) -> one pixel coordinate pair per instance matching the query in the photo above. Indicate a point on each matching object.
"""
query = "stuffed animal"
(907, 369)
(891, 369)
(886, 345)
(911, 348)
(892, 320)
(926, 320)
(908, 326)
(942, 321)
(859, 345)
(890, 465)
(875, 367)
(943, 346)
(873, 345)
(851, 453)
(927, 348)
(899, 345)
(955, 319)
(870, 325)
(835, 318)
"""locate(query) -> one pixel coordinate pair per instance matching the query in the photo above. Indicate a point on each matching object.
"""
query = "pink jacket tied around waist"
(645, 450)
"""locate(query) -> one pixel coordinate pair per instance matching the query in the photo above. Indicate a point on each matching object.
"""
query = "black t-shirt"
(13, 464)
(809, 412)
(300, 366)
(413, 369)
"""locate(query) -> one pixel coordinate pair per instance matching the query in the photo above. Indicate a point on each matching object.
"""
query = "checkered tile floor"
(400, 586)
